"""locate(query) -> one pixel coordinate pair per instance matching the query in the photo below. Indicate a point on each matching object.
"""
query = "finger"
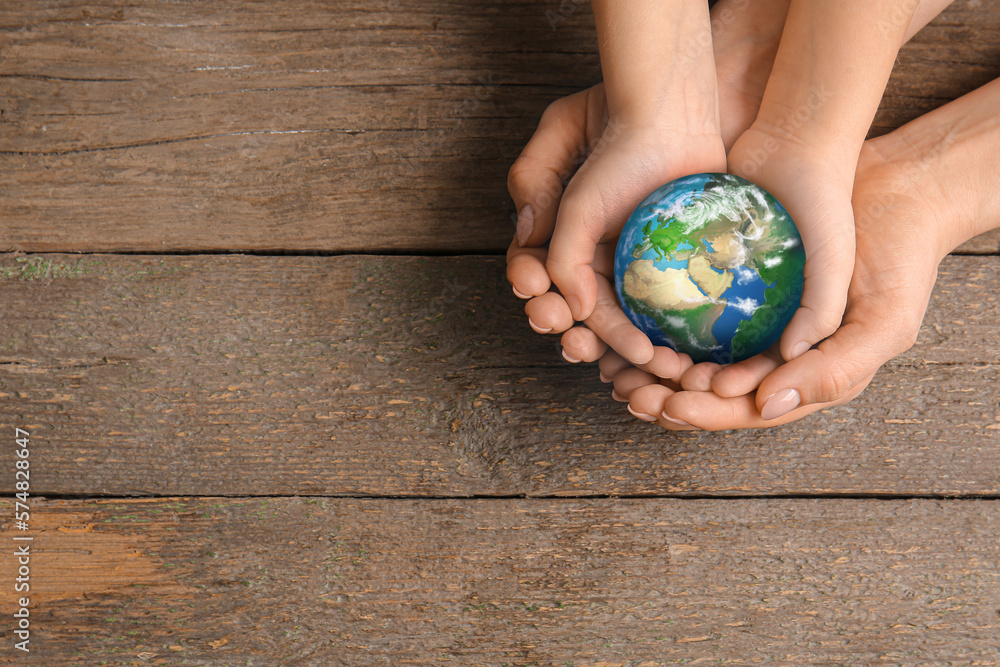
(581, 344)
(610, 323)
(665, 363)
(526, 271)
(699, 377)
(827, 278)
(709, 412)
(526, 268)
(745, 376)
(537, 176)
(602, 195)
(839, 365)
(646, 402)
(629, 380)
(685, 362)
(611, 364)
(548, 314)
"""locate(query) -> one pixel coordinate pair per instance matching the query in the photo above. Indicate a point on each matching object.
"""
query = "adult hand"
(921, 191)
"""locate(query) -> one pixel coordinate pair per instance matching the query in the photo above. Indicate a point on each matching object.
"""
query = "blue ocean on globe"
(712, 266)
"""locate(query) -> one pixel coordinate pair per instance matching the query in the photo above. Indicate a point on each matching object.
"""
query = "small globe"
(712, 266)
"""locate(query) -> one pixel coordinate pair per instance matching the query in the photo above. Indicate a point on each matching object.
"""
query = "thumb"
(597, 202)
(843, 363)
(536, 178)
(826, 281)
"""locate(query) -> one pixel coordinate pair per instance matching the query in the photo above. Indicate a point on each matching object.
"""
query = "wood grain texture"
(380, 126)
(624, 583)
(418, 376)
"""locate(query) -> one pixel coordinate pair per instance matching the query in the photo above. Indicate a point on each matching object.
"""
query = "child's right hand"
(574, 128)
(623, 164)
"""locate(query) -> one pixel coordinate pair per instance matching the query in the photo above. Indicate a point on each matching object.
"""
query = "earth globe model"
(712, 266)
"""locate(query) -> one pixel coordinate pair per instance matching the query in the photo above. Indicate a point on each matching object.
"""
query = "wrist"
(830, 73)
(692, 112)
(904, 180)
(792, 134)
(947, 157)
(658, 63)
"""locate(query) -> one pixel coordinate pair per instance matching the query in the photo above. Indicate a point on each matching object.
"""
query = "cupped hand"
(745, 38)
(621, 165)
(899, 245)
(818, 197)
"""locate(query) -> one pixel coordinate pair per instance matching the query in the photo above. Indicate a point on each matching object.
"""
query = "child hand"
(663, 123)
(571, 127)
(745, 37)
(818, 197)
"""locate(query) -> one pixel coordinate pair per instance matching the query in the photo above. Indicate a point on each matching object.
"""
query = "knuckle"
(736, 415)
(900, 328)
(555, 109)
(906, 336)
(560, 270)
(835, 383)
(517, 173)
(827, 321)
(554, 265)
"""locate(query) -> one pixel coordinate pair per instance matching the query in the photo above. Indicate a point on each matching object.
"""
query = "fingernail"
(674, 420)
(641, 415)
(567, 357)
(604, 378)
(614, 395)
(519, 295)
(800, 349)
(539, 329)
(780, 403)
(575, 307)
(525, 224)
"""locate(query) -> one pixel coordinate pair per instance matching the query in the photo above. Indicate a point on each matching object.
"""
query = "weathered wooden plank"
(418, 376)
(204, 126)
(216, 581)
(985, 244)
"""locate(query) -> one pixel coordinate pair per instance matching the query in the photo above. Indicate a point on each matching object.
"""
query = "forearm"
(950, 154)
(830, 71)
(746, 34)
(658, 64)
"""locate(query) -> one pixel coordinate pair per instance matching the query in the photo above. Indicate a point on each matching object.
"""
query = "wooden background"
(285, 410)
